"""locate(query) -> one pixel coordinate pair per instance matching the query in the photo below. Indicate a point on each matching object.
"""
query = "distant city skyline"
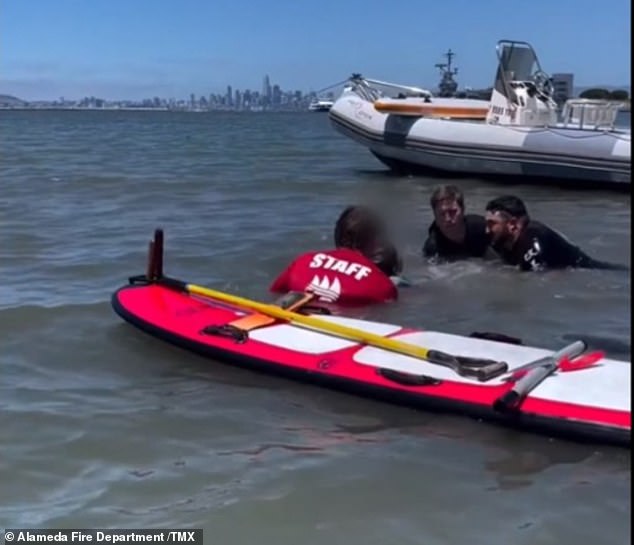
(124, 50)
(118, 96)
(254, 88)
(270, 96)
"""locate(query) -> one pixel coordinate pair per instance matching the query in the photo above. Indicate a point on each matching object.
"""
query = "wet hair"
(386, 258)
(359, 228)
(508, 204)
(445, 192)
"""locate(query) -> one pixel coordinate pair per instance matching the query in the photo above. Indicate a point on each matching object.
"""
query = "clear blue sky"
(117, 49)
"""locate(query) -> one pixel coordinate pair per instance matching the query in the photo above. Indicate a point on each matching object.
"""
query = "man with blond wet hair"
(454, 234)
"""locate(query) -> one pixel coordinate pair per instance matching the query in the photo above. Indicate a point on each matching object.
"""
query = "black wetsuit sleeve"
(477, 240)
(590, 263)
(541, 247)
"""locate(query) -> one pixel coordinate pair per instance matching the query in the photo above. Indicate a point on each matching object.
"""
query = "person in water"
(454, 234)
(357, 271)
(529, 244)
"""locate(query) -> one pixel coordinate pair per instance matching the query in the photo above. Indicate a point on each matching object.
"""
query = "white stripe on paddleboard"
(606, 385)
(301, 339)
(456, 345)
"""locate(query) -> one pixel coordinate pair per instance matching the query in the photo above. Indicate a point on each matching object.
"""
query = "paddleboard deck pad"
(592, 403)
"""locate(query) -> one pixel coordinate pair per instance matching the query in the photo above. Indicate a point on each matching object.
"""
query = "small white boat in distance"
(518, 133)
(319, 105)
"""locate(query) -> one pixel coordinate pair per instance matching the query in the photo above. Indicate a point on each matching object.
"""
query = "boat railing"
(587, 113)
(370, 89)
(365, 91)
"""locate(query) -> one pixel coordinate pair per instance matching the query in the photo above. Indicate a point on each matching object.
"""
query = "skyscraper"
(266, 90)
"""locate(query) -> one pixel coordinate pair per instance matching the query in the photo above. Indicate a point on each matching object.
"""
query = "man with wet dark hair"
(454, 234)
(357, 271)
(529, 244)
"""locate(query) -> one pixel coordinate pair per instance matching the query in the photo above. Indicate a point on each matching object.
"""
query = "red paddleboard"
(590, 404)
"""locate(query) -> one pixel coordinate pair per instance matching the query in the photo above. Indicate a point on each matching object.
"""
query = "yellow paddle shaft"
(311, 322)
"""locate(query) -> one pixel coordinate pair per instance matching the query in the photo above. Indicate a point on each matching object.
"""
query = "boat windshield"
(517, 61)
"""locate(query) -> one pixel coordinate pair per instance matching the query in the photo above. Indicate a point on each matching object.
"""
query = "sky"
(134, 49)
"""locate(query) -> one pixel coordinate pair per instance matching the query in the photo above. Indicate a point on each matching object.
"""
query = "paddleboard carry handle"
(240, 336)
(407, 379)
(497, 337)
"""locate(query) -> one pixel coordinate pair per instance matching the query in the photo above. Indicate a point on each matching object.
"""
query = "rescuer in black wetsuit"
(454, 235)
(529, 244)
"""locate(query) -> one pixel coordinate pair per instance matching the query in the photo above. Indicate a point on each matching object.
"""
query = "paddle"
(478, 368)
(465, 366)
(565, 364)
(536, 373)
(292, 301)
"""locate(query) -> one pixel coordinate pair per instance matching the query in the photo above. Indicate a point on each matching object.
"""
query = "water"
(105, 427)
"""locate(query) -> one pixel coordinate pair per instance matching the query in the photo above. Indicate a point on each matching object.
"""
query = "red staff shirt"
(341, 276)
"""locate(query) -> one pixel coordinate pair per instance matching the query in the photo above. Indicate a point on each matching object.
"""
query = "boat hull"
(465, 147)
(592, 404)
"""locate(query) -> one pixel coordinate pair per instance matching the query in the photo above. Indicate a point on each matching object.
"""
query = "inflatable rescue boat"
(520, 133)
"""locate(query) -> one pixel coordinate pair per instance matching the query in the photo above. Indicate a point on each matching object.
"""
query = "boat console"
(522, 92)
